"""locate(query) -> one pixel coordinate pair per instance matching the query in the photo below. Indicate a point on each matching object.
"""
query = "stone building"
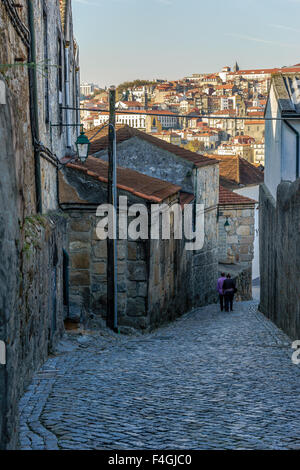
(255, 129)
(194, 173)
(236, 239)
(240, 176)
(155, 279)
(279, 207)
(32, 229)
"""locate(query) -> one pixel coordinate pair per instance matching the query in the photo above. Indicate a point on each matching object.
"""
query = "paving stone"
(207, 381)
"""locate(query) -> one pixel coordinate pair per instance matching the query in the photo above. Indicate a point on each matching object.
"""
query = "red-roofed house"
(158, 279)
(194, 173)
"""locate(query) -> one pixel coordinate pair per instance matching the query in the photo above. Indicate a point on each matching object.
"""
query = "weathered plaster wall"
(280, 256)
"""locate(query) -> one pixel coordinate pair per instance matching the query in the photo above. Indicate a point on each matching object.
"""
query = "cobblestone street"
(209, 380)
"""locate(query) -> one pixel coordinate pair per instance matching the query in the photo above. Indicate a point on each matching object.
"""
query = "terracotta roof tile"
(125, 133)
(146, 187)
(236, 168)
(227, 197)
(186, 198)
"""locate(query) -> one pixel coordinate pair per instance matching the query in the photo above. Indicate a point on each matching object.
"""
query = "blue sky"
(126, 39)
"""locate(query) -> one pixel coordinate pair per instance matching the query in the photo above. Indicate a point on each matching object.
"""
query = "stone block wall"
(280, 256)
(31, 290)
(34, 321)
(88, 274)
(157, 279)
(236, 245)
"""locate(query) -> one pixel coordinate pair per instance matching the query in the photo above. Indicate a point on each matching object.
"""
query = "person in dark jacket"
(220, 290)
(229, 291)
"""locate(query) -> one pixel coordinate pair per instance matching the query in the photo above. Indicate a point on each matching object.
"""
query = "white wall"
(288, 159)
(280, 148)
(273, 145)
(253, 193)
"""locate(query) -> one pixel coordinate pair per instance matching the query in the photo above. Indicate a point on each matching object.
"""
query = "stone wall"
(151, 160)
(280, 256)
(88, 274)
(17, 199)
(203, 182)
(236, 244)
(147, 291)
(157, 279)
(33, 309)
(31, 298)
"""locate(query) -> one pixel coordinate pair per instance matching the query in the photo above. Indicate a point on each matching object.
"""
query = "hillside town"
(220, 113)
(125, 341)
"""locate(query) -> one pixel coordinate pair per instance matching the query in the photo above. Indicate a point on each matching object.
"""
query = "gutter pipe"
(67, 91)
(34, 108)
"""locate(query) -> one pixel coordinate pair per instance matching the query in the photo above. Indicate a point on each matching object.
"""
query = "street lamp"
(227, 225)
(83, 146)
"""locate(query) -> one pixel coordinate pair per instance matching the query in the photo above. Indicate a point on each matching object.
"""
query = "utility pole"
(112, 257)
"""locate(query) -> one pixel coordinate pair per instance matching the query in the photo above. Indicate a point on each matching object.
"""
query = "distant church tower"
(236, 68)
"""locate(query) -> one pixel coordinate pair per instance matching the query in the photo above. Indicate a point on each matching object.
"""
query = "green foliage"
(135, 83)
(32, 226)
(194, 146)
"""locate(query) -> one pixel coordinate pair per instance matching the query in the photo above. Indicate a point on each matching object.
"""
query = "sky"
(124, 40)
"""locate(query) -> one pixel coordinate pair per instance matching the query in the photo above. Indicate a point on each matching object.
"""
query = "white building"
(86, 89)
(282, 160)
(137, 119)
(258, 149)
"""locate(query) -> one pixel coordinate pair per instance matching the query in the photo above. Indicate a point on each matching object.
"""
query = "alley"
(206, 381)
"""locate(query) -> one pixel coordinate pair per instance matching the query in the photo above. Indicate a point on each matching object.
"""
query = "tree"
(123, 87)
(194, 146)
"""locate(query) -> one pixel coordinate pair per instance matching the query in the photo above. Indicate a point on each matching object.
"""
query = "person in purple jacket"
(220, 290)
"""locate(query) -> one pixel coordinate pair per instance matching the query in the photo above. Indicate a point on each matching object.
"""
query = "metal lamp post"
(83, 147)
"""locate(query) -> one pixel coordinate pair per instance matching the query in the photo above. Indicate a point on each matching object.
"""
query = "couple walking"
(226, 288)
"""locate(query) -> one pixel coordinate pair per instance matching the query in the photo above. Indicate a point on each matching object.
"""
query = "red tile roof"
(186, 198)
(143, 186)
(236, 168)
(227, 197)
(125, 133)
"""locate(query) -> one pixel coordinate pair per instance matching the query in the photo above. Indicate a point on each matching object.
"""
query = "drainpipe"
(297, 145)
(34, 113)
(67, 91)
